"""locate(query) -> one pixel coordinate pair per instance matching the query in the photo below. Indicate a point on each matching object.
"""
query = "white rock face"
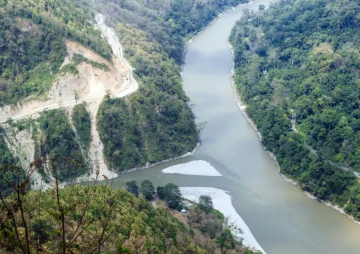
(200, 168)
(222, 202)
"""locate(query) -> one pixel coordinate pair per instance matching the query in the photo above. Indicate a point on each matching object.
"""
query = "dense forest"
(6, 158)
(155, 123)
(82, 123)
(299, 60)
(55, 140)
(98, 219)
(169, 23)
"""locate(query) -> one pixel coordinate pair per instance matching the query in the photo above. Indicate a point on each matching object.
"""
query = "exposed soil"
(90, 86)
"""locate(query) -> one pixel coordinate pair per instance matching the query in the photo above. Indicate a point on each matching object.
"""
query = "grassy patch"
(40, 80)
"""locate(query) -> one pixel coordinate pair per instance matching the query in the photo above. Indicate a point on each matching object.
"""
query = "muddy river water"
(281, 217)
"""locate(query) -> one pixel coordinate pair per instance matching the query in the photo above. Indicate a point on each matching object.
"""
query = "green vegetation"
(168, 23)
(132, 187)
(69, 68)
(212, 224)
(56, 140)
(121, 135)
(156, 123)
(304, 55)
(113, 222)
(147, 189)
(5, 158)
(31, 43)
(82, 123)
(98, 219)
(78, 59)
(171, 194)
(205, 203)
(5, 155)
(133, 132)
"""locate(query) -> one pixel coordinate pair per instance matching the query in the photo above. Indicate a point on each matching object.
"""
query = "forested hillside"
(156, 123)
(169, 23)
(32, 49)
(304, 56)
(56, 140)
(6, 158)
(98, 219)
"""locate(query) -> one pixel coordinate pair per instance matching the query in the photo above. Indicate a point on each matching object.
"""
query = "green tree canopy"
(160, 190)
(172, 195)
(205, 203)
(132, 187)
(147, 189)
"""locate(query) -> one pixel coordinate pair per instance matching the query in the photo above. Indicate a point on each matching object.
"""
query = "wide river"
(281, 217)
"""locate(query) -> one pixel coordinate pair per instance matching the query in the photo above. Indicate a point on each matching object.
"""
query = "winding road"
(129, 87)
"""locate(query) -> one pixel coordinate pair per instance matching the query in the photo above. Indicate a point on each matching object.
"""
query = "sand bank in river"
(199, 168)
(222, 202)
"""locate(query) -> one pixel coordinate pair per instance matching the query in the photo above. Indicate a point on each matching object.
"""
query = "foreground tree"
(132, 187)
(24, 228)
(261, 7)
(205, 203)
(172, 196)
(147, 189)
(160, 190)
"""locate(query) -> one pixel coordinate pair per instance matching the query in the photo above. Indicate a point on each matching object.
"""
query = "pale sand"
(198, 168)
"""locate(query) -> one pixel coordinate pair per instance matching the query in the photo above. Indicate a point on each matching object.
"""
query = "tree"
(42, 230)
(261, 7)
(205, 203)
(160, 190)
(172, 195)
(132, 187)
(147, 189)
(27, 233)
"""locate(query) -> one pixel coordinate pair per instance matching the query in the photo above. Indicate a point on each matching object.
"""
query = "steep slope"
(171, 23)
(297, 69)
(155, 124)
(100, 219)
(32, 49)
(83, 76)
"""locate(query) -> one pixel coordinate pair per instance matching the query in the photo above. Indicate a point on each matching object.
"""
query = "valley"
(112, 95)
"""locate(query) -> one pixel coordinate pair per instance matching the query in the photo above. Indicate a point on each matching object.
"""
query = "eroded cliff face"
(89, 82)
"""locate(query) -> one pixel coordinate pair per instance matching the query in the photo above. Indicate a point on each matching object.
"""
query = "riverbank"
(242, 108)
(116, 174)
(215, 19)
(222, 202)
(160, 162)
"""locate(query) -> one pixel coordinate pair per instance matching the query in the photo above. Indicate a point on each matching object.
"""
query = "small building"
(183, 211)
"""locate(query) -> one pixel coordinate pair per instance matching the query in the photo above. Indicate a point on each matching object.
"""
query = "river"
(281, 217)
